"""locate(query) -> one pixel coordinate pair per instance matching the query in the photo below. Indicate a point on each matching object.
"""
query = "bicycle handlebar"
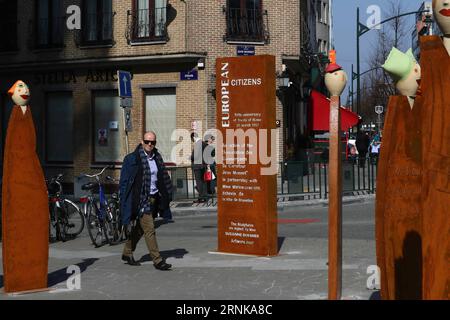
(97, 174)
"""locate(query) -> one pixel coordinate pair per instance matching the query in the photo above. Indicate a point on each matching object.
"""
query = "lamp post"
(362, 29)
(379, 110)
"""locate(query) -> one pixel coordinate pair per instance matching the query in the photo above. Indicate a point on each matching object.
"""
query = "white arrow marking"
(125, 80)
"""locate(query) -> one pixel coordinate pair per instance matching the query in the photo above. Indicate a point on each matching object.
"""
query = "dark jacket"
(131, 182)
(198, 162)
(362, 142)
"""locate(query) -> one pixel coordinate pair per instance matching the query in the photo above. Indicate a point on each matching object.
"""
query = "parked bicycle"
(66, 219)
(102, 215)
(122, 232)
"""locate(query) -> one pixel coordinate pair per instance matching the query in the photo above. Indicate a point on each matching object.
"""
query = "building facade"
(169, 46)
(425, 26)
(324, 20)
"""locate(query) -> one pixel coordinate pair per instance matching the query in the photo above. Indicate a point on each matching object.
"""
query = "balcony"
(97, 30)
(147, 26)
(47, 33)
(246, 26)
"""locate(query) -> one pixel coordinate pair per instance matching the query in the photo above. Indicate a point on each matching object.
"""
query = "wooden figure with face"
(435, 62)
(20, 94)
(399, 208)
(335, 79)
(25, 213)
(405, 71)
(441, 12)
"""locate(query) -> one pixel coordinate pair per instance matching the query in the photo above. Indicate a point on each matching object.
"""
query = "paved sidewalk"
(299, 272)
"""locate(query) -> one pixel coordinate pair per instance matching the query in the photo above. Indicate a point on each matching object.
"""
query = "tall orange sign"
(247, 167)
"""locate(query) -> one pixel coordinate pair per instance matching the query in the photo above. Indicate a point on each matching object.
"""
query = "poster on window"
(102, 137)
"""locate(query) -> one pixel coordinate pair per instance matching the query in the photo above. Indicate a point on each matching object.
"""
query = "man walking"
(145, 187)
(362, 144)
(199, 166)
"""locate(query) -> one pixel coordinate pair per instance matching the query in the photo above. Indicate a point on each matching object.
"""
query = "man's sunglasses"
(150, 141)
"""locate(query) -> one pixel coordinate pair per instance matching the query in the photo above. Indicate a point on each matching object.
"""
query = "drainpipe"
(185, 25)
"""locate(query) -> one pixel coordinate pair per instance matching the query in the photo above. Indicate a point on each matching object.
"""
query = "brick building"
(170, 47)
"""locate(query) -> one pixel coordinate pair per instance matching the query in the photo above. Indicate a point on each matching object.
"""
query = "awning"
(320, 114)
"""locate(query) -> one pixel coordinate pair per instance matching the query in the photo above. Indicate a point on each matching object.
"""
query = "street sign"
(379, 109)
(189, 75)
(245, 50)
(124, 79)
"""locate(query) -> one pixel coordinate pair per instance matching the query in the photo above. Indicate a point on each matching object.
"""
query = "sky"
(344, 30)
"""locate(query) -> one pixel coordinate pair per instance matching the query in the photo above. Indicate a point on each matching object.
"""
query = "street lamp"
(379, 111)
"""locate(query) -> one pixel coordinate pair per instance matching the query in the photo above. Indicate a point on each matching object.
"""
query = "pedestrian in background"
(362, 144)
(199, 166)
(210, 151)
(145, 187)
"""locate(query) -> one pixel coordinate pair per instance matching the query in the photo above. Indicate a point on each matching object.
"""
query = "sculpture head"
(335, 79)
(404, 70)
(20, 93)
(441, 12)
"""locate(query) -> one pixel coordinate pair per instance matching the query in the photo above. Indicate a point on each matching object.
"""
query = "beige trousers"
(144, 227)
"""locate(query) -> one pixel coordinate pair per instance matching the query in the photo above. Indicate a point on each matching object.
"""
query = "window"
(8, 25)
(319, 11)
(59, 128)
(108, 140)
(245, 20)
(161, 117)
(49, 23)
(149, 20)
(97, 19)
(325, 13)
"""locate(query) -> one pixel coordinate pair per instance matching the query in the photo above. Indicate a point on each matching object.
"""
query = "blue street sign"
(189, 75)
(245, 51)
(124, 78)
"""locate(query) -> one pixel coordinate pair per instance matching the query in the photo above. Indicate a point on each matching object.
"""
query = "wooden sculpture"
(335, 81)
(435, 61)
(25, 214)
(399, 183)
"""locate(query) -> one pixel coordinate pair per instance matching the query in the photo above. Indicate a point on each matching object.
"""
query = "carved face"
(441, 12)
(409, 85)
(20, 93)
(336, 82)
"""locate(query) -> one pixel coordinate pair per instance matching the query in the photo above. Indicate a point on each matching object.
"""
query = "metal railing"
(147, 25)
(296, 178)
(245, 25)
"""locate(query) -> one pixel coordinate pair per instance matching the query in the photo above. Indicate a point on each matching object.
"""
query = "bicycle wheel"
(116, 223)
(96, 229)
(53, 234)
(73, 218)
(60, 224)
